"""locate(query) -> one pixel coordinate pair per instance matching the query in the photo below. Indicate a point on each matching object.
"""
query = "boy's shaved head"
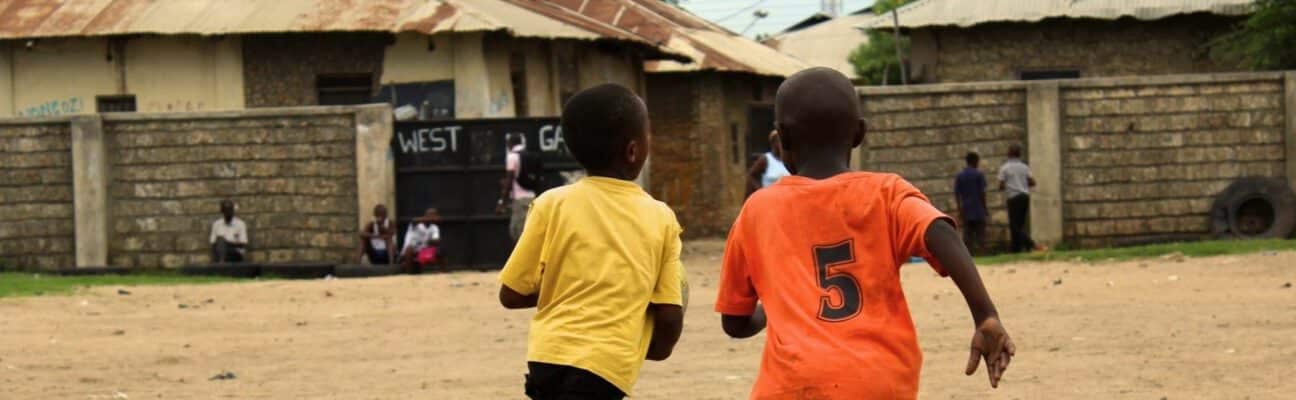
(817, 108)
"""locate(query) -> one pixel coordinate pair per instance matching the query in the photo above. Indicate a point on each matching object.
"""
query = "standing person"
(512, 195)
(829, 282)
(1015, 181)
(378, 237)
(768, 168)
(599, 259)
(228, 236)
(970, 197)
(422, 242)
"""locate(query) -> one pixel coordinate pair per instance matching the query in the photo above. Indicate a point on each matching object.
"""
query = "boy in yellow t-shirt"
(599, 259)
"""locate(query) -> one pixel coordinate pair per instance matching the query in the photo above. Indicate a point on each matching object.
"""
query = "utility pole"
(895, 18)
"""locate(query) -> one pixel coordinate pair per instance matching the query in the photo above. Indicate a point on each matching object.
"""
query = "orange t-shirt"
(824, 258)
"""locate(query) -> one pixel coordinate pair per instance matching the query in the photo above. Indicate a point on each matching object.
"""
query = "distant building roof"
(522, 18)
(710, 46)
(828, 44)
(964, 13)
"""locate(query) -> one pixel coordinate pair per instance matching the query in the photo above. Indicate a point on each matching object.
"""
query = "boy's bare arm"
(990, 341)
(668, 324)
(513, 300)
(744, 326)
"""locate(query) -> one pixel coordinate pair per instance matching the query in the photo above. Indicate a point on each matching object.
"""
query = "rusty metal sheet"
(711, 47)
(964, 13)
(524, 18)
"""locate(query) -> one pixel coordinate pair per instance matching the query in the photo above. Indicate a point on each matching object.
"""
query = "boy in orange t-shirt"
(822, 249)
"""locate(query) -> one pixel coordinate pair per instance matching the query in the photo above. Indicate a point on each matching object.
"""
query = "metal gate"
(456, 166)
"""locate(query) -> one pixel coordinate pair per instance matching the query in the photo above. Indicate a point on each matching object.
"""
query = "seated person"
(377, 237)
(228, 236)
(422, 241)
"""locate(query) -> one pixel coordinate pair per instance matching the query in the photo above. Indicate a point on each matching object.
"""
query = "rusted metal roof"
(522, 18)
(964, 13)
(711, 47)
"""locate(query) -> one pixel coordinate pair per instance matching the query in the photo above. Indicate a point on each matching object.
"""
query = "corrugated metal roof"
(965, 13)
(522, 18)
(711, 47)
(827, 44)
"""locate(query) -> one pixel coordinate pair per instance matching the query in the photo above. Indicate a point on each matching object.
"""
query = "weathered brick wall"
(924, 136)
(699, 156)
(36, 225)
(293, 177)
(279, 70)
(1145, 162)
(1000, 51)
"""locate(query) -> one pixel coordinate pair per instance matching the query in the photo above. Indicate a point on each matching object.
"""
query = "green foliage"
(875, 62)
(1193, 249)
(1265, 41)
(29, 284)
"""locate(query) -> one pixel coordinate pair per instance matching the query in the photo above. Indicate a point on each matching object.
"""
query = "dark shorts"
(561, 382)
(378, 257)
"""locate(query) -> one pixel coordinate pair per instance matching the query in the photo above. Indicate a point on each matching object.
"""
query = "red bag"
(427, 255)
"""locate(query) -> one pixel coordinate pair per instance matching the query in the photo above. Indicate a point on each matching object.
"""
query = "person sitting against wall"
(768, 168)
(228, 236)
(377, 237)
(422, 243)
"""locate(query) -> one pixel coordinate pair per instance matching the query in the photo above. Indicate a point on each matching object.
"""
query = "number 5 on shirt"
(826, 258)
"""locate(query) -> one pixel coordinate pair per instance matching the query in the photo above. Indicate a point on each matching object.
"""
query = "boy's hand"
(991, 342)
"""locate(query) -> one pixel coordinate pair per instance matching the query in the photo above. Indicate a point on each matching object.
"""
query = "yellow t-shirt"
(598, 252)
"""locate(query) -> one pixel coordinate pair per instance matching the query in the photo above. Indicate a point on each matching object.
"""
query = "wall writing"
(50, 108)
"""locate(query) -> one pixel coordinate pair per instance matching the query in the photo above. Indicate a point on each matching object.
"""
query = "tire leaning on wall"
(1254, 208)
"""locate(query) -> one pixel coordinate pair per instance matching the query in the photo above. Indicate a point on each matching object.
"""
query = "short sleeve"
(240, 234)
(212, 238)
(913, 214)
(671, 287)
(737, 295)
(522, 271)
(434, 232)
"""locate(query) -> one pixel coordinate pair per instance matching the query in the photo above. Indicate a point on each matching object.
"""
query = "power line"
(740, 11)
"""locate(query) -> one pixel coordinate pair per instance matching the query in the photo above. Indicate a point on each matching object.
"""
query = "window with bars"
(115, 103)
(344, 89)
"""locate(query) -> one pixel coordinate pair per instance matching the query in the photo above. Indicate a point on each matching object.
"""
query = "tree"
(1265, 41)
(876, 62)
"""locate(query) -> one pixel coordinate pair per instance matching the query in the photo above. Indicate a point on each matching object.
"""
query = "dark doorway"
(456, 166)
(760, 121)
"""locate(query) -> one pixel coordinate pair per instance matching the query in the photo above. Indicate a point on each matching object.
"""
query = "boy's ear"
(859, 135)
(633, 152)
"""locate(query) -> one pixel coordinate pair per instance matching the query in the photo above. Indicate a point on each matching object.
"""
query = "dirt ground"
(1214, 328)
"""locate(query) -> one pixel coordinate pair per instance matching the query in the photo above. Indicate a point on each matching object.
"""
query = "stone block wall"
(924, 135)
(1144, 162)
(1094, 48)
(1138, 159)
(36, 224)
(292, 176)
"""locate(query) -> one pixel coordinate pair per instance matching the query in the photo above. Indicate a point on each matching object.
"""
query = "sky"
(736, 15)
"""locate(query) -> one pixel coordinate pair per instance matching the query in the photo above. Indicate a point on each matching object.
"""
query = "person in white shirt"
(378, 237)
(228, 236)
(422, 233)
(513, 195)
(1016, 182)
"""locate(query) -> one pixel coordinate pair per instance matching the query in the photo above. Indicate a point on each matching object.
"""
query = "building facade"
(996, 40)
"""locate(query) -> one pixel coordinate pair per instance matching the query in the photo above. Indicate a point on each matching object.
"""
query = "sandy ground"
(1214, 328)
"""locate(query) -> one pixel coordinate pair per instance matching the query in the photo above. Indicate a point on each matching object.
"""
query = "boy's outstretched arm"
(990, 341)
(744, 326)
(668, 324)
(513, 300)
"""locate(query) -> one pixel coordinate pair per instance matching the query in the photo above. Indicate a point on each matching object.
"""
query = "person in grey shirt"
(1016, 182)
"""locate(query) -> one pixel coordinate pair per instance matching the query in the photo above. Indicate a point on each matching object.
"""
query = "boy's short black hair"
(972, 158)
(514, 140)
(599, 121)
